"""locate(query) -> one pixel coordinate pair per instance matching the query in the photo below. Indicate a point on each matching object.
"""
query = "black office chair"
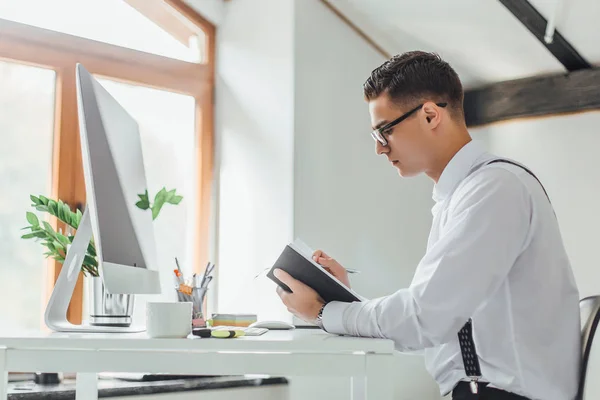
(589, 309)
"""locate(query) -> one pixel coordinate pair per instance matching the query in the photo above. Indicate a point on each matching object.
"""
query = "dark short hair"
(417, 76)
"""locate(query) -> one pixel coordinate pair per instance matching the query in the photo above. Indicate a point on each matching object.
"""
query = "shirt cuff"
(333, 317)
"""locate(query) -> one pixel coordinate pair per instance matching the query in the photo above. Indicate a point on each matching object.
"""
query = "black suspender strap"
(469, 355)
(520, 166)
(465, 335)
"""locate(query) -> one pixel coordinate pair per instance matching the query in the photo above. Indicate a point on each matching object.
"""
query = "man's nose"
(380, 149)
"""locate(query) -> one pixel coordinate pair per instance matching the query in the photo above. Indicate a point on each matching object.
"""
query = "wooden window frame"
(60, 52)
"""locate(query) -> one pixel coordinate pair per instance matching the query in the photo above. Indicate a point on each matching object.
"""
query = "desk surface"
(297, 340)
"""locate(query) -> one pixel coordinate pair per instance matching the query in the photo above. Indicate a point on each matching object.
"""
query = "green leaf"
(60, 211)
(144, 202)
(175, 200)
(78, 219)
(42, 208)
(29, 236)
(50, 231)
(159, 201)
(44, 200)
(67, 219)
(39, 234)
(90, 261)
(53, 208)
(169, 195)
(91, 250)
(48, 227)
(58, 247)
(143, 205)
(35, 200)
(144, 196)
(63, 239)
(73, 220)
(68, 214)
(32, 219)
(162, 193)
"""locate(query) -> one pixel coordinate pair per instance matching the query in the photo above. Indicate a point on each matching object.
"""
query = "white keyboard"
(247, 330)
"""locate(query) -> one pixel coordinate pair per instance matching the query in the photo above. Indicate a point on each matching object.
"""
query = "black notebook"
(297, 261)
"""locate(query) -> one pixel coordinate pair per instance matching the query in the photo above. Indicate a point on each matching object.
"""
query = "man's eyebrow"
(380, 124)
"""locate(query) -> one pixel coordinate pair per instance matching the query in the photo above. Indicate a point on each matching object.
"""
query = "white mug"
(168, 319)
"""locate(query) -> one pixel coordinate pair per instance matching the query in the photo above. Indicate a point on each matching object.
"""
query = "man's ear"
(432, 114)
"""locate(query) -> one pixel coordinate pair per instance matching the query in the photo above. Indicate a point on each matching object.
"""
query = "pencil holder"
(197, 298)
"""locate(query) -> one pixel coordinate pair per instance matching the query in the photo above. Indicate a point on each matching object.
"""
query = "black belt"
(465, 335)
(462, 391)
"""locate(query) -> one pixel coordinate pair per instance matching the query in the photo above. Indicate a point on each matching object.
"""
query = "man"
(495, 268)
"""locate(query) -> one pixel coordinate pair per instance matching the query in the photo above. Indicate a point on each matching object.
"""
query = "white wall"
(212, 10)
(254, 152)
(563, 152)
(347, 200)
(297, 160)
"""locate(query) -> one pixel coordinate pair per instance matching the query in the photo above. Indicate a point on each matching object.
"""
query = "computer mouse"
(272, 325)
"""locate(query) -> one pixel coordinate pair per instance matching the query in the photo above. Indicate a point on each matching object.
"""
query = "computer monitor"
(123, 234)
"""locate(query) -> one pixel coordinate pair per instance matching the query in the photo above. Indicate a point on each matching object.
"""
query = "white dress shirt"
(495, 255)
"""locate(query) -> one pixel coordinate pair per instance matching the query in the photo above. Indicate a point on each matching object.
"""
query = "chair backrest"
(589, 309)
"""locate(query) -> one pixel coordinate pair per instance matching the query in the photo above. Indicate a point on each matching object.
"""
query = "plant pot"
(107, 309)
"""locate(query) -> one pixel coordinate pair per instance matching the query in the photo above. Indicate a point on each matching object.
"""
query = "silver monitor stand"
(56, 311)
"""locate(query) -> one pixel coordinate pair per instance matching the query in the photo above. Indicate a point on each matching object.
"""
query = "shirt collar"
(457, 169)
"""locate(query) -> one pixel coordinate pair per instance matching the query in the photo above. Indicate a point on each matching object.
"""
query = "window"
(157, 58)
(25, 168)
(110, 21)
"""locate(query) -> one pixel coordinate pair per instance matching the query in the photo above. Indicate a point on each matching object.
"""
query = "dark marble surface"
(114, 387)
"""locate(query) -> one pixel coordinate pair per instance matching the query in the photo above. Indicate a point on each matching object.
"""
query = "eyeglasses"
(378, 133)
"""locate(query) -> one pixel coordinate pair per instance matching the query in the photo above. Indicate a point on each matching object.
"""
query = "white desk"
(300, 352)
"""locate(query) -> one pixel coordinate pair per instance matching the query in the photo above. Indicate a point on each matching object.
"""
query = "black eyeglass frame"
(377, 134)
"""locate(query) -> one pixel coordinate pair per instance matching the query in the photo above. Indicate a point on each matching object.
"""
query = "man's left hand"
(304, 302)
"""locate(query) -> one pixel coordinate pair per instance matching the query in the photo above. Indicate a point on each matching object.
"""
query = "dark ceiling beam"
(536, 23)
(537, 96)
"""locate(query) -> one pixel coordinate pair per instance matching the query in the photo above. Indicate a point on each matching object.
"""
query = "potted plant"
(57, 244)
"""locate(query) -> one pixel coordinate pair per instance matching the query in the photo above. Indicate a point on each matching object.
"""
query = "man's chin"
(404, 173)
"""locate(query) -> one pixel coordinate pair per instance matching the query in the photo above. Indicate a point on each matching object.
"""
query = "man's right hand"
(332, 266)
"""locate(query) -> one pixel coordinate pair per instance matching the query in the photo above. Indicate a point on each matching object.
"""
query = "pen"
(179, 276)
(176, 279)
(207, 281)
(211, 269)
(207, 271)
(178, 268)
(352, 271)
(204, 274)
